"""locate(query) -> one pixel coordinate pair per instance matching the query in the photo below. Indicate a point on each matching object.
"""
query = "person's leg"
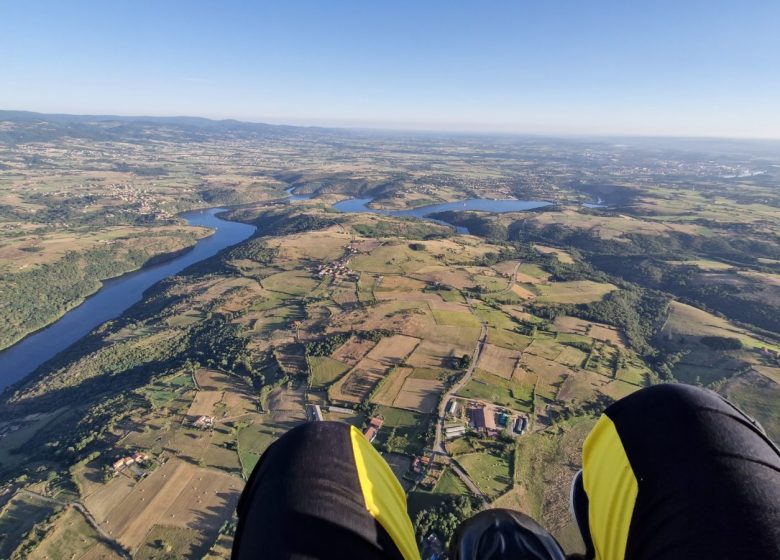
(319, 492)
(675, 471)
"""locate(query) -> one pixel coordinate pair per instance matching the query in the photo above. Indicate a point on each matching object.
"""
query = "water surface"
(479, 204)
(114, 297)
(120, 293)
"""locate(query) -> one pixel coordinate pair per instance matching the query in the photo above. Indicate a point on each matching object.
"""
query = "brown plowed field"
(392, 386)
(499, 361)
(178, 494)
(352, 351)
(434, 354)
(203, 403)
(420, 395)
(359, 382)
(393, 349)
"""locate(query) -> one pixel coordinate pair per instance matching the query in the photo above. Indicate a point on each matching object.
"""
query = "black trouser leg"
(675, 471)
(322, 492)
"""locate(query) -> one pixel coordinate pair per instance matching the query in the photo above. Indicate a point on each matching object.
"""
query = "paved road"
(468, 482)
(438, 445)
(437, 442)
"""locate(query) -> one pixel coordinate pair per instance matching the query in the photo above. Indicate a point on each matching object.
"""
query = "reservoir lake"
(118, 294)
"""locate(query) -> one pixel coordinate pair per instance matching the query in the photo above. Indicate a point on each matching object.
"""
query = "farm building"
(484, 419)
(454, 431)
(314, 413)
(138, 458)
(452, 408)
(420, 464)
(373, 428)
(341, 410)
(521, 423)
(204, 422)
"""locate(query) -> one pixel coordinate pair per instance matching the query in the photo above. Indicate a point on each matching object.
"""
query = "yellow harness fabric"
(385, 499)
(611, 487)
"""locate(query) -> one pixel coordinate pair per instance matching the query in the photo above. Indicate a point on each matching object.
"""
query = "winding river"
(116, 295)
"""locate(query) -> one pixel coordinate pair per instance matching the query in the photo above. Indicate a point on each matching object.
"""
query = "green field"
(71, 537)
(577, 291)
(392, 258)
(545, 463)
(172, 542)
(759, 397)
(13, 442)
(17, 517)
(252, 442)
(489, 472)
(405, 427)
(450, 484)
(498, 390)
(325, 371)
(455, 318)
(508, 339)
(494, 317)
(533, 270)
(295, 283)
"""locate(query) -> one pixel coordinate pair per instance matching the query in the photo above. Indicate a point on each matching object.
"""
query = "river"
(479, 204)
(116, 295)
(497, 206)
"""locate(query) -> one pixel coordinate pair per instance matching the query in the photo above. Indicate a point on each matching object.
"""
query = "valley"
(476, 350)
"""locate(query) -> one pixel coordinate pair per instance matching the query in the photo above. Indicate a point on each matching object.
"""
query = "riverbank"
(114, 297)
(92, 285)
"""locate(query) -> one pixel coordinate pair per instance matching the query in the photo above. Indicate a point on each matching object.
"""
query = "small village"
(463, 417)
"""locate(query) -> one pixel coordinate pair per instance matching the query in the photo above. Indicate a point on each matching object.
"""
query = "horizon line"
(418, 128)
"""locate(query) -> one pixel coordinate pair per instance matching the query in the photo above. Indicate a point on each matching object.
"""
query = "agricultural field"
(550, 314)
(178, 494)
(499, 361)
(358, 384)
(420, 395)
(687, 321)
(392, 385)
(325, 371)
(559, 254)
(20, 515)
(491, 473)
(71, 537)
(449, 484)
(578, 291)
(515, 395)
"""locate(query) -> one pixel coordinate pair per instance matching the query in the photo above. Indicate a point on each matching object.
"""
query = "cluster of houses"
(491, 421)
(204, 422)
(425, 470)
(338, 270)
(131, 461)
(483, 418)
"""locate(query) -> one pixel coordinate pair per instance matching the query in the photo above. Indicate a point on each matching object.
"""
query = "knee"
(666, 406)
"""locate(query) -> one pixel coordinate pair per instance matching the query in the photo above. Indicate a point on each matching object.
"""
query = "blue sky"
(683, 67)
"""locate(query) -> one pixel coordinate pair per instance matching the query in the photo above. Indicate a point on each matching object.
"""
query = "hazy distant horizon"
(663, 68)
(392, 127)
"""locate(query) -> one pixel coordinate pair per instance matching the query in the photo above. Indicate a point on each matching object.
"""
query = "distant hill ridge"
(34, 127)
